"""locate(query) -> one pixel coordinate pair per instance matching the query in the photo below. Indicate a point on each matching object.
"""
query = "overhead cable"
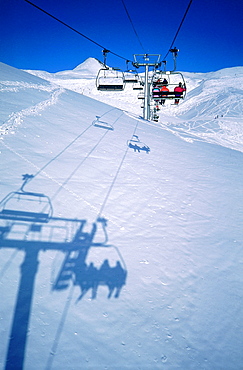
(130, 19)
(178, 30)
(73, 29)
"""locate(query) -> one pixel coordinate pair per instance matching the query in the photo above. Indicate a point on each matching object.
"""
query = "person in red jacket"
(178, 92)
(164, 90)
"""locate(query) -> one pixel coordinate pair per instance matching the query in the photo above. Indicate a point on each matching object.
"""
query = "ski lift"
(110, 79)
(154, 115)
(139, 85)
(26, 206)
(137, 145)
(130, 75)
(140, 95)
(102, 124)
(170, 80)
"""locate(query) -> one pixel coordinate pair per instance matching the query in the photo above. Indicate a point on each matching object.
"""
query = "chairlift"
(102, 124)
(131, 76)
(154, 115)
(171, 80)
(139, 85)
(26, 206)
(110, 79)
(137, 145)
(140, 95)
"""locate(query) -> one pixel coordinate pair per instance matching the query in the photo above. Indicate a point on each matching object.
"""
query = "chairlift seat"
(131, 80)
(167, 94)
(173, 78)
(110, 87)
(141, 95)
(139, 87)
(110, 80)
(130, 77)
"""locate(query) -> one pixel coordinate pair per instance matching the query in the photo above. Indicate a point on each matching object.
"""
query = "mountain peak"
(91, 64)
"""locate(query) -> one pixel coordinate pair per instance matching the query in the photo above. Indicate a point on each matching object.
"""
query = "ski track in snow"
(16, 86)
(17, 118)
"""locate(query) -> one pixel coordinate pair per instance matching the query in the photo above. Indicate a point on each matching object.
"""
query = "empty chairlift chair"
(131, 76)
(110, 79)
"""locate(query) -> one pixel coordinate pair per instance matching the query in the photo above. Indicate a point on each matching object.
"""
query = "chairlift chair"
(110, 79)
(26, 206)
(131, 76)
(139, 85)
(170, 80)
(140, 95)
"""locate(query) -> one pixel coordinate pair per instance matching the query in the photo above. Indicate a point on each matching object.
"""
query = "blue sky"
(210, 38)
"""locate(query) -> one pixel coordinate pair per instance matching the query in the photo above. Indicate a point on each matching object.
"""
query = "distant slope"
(211, 111)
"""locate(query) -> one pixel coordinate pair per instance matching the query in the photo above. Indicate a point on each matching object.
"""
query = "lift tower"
(146, 60)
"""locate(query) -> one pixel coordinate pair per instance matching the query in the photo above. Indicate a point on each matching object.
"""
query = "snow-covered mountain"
(213, 108)
(165, 211)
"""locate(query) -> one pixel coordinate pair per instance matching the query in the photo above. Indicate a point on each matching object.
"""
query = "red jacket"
(179, 89)
(164, 88)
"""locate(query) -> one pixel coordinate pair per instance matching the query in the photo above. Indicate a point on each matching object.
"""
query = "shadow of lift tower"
(36, 236)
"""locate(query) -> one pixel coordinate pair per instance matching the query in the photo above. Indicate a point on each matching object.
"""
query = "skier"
(156, 96)
(165, 82)
(164, 91)
(178, 92)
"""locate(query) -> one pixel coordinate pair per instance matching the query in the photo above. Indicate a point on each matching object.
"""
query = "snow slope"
(174, 221)
(212, 109)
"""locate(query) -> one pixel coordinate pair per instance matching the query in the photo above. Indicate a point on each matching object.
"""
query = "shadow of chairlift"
(102, 124)
(93, 265)
(137, 145)
(26, 206)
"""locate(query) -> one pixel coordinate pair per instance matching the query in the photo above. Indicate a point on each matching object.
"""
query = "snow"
(174, 222)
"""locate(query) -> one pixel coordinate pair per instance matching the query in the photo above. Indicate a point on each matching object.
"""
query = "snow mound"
(86, 70)
(92, 65)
